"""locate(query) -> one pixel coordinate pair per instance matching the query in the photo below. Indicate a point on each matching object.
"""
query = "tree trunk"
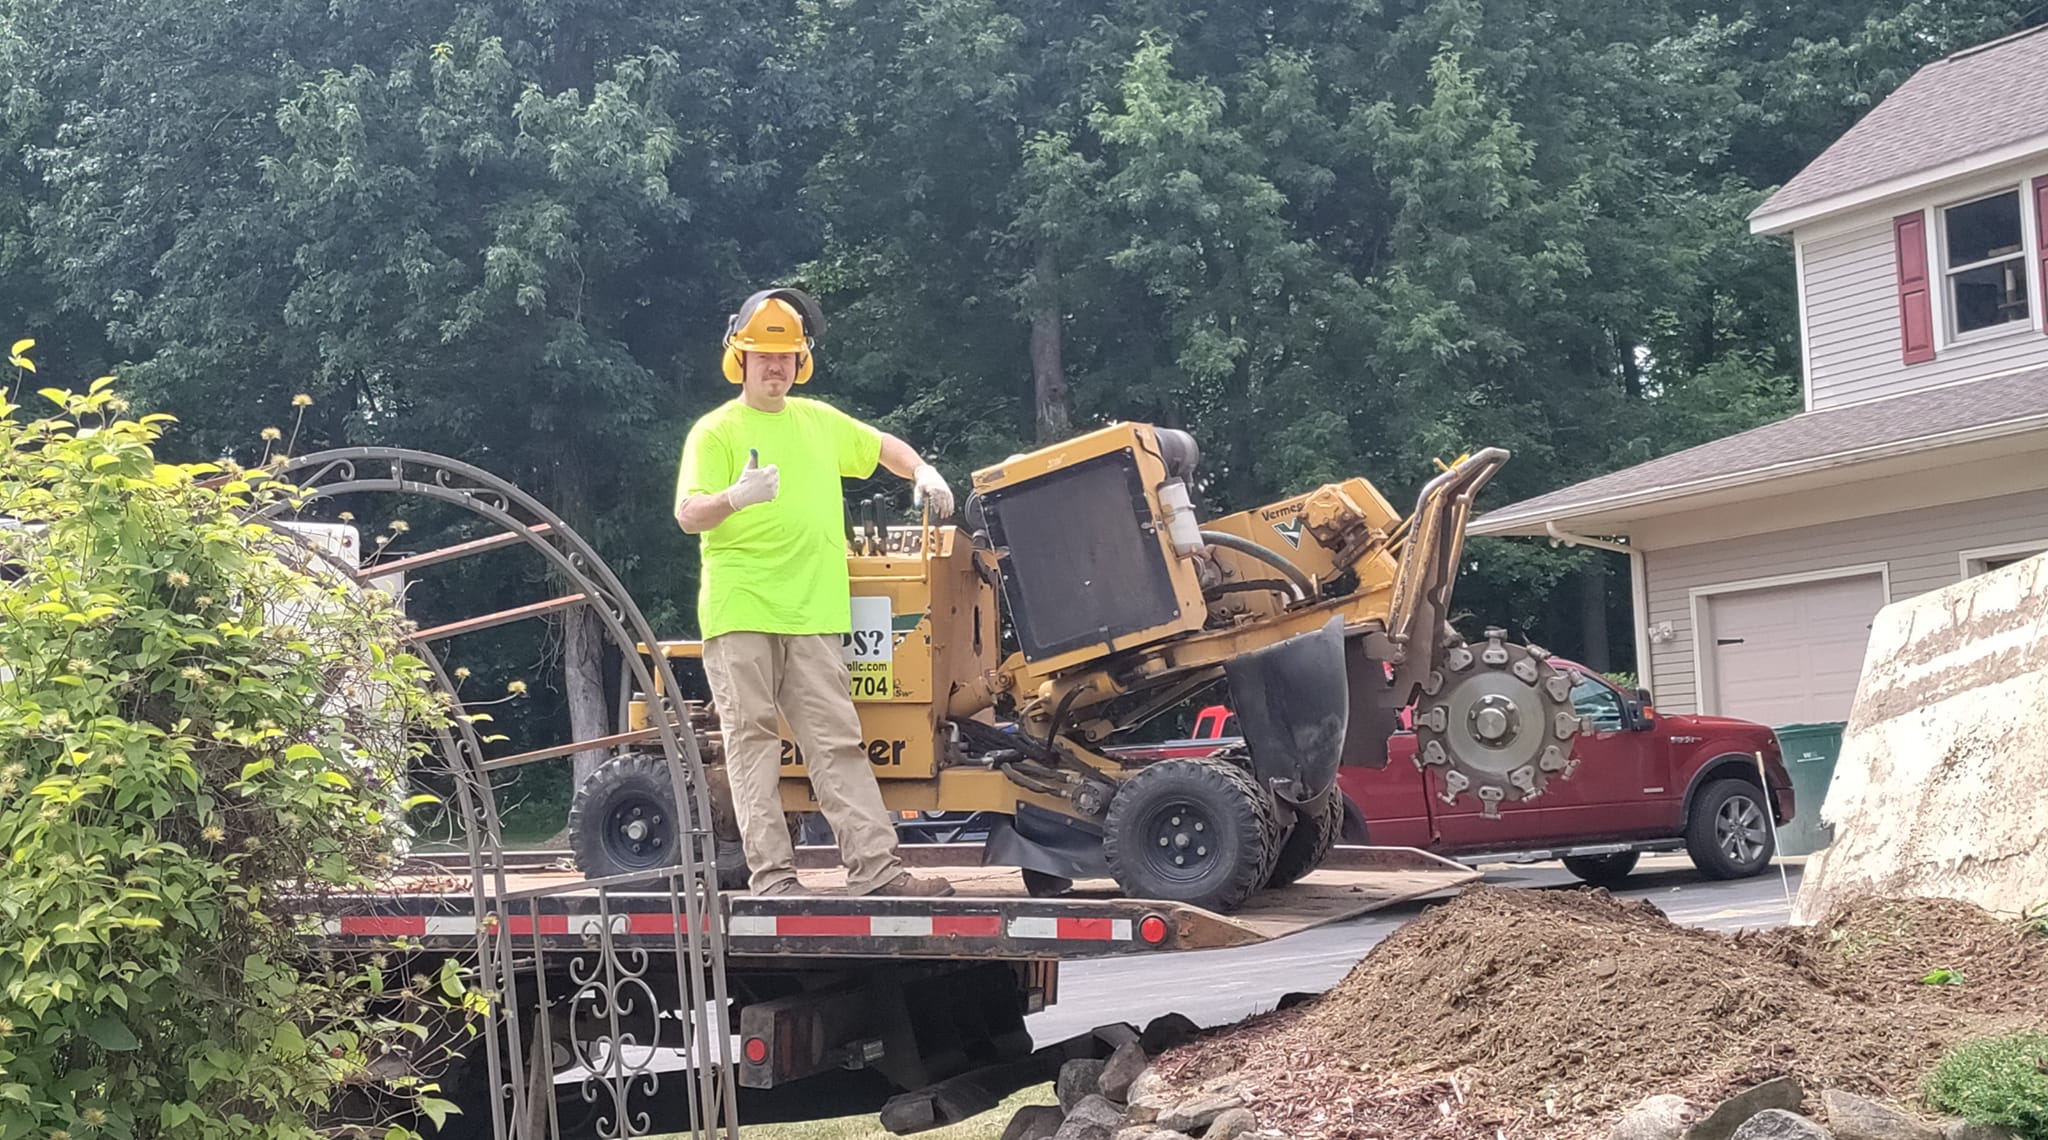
(1593, 613)
(582, 633)
(1048, 374)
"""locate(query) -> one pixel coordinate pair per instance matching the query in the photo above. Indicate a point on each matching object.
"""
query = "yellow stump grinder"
(996, 665)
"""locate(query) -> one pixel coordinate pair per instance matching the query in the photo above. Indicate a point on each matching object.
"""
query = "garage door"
(1787, 654)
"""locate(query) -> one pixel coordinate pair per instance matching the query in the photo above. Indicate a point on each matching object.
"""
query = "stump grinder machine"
(997, 664)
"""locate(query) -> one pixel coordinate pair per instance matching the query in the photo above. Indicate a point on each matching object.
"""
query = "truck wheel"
(1728, 835)
(1201, 832)
(1602, 870)
(1309, 841)
(622, 821)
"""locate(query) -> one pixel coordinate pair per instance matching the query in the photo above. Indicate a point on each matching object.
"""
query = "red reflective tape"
(656, 923)
(389, 924)
(1091, 929)
(969, 925)
(823, 925)
(549, 924)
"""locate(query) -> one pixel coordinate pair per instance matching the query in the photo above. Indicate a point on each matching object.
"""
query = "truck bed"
(991, 916)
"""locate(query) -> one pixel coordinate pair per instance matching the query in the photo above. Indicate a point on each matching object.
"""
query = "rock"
(1782, 1093)
(1656, 1118)
(1778, 1124)
(1971, 1130)
(1197, 1112)
(1121, 1071)
(1295, 997)
(1035, 1122)
(1149, 1132)
(1078, 1080)
(1115, 1036)
(911, 1112)
(1852, 1117)
(1149, 1108)
(1094, 1118)
(1148, 1084)
(1230, 1124)
(1167, 1031)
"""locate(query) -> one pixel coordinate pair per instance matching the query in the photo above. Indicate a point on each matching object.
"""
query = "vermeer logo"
(1291, 531)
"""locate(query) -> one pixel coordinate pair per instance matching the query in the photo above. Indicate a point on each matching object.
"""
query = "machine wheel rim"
(638, 831)
(1182, 841)
(1739, 830)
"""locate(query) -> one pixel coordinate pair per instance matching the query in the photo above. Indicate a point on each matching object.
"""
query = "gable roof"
(1983, 103)
(1937, 417)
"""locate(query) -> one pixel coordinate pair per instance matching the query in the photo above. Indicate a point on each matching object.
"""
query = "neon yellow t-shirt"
(779, 566)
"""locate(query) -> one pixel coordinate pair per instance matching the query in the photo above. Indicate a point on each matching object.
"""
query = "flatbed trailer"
(903, 992)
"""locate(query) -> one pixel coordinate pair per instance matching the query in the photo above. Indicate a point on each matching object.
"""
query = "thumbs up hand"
(756, 484)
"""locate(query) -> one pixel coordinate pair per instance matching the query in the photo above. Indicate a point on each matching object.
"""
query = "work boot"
(782, 888)
(908, 885)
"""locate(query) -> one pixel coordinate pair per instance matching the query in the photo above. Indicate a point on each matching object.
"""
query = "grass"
(987, 1126)
(1999, 1081)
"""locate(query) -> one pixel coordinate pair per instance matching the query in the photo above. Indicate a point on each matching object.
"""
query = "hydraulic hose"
(1303, 585)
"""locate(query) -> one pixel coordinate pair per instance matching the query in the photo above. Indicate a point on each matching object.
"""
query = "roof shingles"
(1812, 436)
(1975, 101)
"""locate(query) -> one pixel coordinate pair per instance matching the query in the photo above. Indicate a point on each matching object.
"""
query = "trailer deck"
(991, 917)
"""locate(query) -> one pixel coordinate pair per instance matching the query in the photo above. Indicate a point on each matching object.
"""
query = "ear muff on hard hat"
(774, 320)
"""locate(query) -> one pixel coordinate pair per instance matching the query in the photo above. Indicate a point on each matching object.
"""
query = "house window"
(1977, 562)
(1985, 263)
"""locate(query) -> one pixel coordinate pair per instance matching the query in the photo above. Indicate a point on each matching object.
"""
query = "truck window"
(1592, 699)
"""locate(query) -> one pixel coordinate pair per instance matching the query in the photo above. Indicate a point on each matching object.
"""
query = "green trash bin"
(1810, 752)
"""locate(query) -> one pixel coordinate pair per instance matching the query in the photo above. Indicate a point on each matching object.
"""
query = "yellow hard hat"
(773, 320)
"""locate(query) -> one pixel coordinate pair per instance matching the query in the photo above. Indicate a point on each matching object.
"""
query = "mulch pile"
(1514, 1013)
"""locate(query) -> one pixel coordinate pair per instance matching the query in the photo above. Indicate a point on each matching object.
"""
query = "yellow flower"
(271, 433)
(348, 516)
(178, 579)
(462, 673)
(516, 688)
(214, 834)
(400, 526)
(59, 1134)
(203, 600)
(6, 1026)
(302, 401)
(93, 1117)
(192, 673)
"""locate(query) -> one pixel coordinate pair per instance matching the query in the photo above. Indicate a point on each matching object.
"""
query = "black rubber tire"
(1044, 885)
(1227, 804)
(1603, 870)
(1722, 809)
(630, 789)
(643, 779)
(1309, 841)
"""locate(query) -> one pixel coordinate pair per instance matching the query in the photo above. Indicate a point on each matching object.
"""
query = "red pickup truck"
(1646, 781)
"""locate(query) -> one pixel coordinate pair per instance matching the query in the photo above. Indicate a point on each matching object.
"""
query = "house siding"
(1921, 550)
(1851, 293)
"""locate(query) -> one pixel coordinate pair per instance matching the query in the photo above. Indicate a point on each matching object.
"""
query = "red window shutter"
(1916, 299)
(2041, 235)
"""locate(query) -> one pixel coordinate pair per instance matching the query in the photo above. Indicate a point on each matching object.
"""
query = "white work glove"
(931, 488)
(756, 484)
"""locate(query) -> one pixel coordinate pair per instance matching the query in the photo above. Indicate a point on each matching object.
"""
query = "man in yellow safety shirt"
(760, 483)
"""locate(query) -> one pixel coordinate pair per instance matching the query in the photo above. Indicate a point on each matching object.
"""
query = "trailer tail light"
(1152, 930)
(757, 1051)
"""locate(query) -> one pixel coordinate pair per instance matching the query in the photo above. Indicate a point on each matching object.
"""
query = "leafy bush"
(1999, 1081)
(201, 731)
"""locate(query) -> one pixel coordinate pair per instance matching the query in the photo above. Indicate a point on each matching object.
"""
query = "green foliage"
(203, 731)
(2001, 1082)
(1942, 976)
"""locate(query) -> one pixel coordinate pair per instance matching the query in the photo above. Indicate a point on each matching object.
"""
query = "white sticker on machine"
(870, 649)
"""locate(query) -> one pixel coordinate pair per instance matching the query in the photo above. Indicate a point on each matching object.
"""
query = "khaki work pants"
(759, 681)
